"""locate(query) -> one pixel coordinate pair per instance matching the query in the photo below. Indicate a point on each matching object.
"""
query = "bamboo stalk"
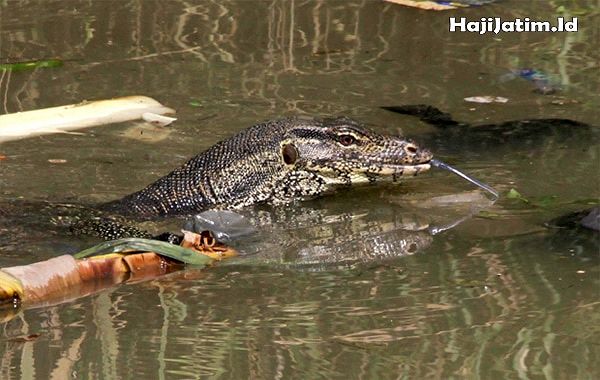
(61, 119)
(67, 277)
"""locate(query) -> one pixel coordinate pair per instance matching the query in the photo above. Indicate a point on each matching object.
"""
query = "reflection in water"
(498, 296)
(256, 62)
(311, 239)
(250, 321)
(325, 237)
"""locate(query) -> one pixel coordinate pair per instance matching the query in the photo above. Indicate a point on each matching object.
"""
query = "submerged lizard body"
(278, 162)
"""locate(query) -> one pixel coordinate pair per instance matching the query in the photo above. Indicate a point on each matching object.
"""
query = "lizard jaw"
(404, 170)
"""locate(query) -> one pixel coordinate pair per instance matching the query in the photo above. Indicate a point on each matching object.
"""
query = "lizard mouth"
(404, 170)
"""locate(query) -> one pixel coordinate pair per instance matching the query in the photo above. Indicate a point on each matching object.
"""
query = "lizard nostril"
(411, 149)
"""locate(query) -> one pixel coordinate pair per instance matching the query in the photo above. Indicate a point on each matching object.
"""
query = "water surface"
(346, 286)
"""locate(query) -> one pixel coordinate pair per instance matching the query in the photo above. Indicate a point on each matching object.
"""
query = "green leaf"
(185, 255)
(514, 194)
(22, 66)
(488, 215)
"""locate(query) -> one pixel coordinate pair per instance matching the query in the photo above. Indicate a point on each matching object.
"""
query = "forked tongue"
(442, 165)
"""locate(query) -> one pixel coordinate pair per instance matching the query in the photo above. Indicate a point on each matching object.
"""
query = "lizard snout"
(416, 154)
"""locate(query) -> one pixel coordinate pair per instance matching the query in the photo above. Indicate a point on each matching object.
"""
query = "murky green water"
(347, 286)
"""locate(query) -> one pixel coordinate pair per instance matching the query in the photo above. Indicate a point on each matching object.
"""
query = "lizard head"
(341, 151)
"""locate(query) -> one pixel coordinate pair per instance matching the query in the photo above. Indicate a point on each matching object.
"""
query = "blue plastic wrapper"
(542, 82)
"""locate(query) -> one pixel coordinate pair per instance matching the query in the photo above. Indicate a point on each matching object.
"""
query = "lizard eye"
(347, 140)
(290, 154)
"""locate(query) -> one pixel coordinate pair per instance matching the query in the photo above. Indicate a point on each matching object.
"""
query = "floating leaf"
(22, 66)
(514, 194)
(488, 214)
(184, 255)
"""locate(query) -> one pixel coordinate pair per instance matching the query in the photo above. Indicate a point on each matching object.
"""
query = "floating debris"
(514, 194)
(486, 99)
(426, 5)
(226, 225)
(440, 5)
(30, 65)
(20, 125)
(207, 244)
(564, 101)
(544, 84)
(156, 119)
(67, 277)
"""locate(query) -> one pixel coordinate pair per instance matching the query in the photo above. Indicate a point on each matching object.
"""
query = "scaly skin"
(278, 162)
